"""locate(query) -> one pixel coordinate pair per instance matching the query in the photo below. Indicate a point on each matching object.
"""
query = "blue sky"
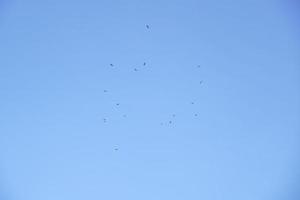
(235, 133)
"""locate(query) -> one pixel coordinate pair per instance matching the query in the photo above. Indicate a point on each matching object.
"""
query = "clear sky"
(74, 127)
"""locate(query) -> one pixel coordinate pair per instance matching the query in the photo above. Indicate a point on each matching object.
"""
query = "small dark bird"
(170, 122)
(192, 103)
(117, 104)
(116, 149)
(147, 26)
(201, 82)
(196, 115)
(111, 65)
(135, 69)
(144, 64)
(104, 91)
(104, 120)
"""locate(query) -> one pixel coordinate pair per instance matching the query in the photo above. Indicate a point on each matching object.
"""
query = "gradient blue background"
(54, 65)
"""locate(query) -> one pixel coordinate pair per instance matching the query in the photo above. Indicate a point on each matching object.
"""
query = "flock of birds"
(136, 69)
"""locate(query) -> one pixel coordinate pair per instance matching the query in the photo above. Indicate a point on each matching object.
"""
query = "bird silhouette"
(104, 120)
(117, 104)
(135, 69)
(144, 64)
(111, 65)
(201, 82)
(147, 26)
(104, 91)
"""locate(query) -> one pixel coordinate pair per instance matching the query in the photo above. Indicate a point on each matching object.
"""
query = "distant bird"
(196, 115)
(201, 82)
(111, 65)
(170, 122)
(144, 64)
(104, 91)
(135, 69)
(147, 26)
(198, 66)
(116, 149)
(192, 103)
(104, 120)
(117, 104)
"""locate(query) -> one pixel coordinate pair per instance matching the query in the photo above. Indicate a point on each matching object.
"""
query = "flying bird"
(147, 26)
(104, 120)
(144, 63)
(117, 104)
(111, 65)
(135, 69)
(104, 91)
